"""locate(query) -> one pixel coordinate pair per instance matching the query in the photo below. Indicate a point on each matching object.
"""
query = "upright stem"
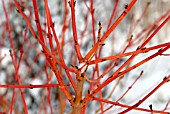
(77, 102)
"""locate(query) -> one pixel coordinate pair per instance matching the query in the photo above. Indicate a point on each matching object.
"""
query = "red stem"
(166, 79)
(77, 46)
(126, 106)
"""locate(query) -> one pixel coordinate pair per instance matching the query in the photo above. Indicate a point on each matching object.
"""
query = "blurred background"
(34, 69)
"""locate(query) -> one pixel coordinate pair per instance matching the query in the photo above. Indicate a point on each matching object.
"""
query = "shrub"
(84, 56)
